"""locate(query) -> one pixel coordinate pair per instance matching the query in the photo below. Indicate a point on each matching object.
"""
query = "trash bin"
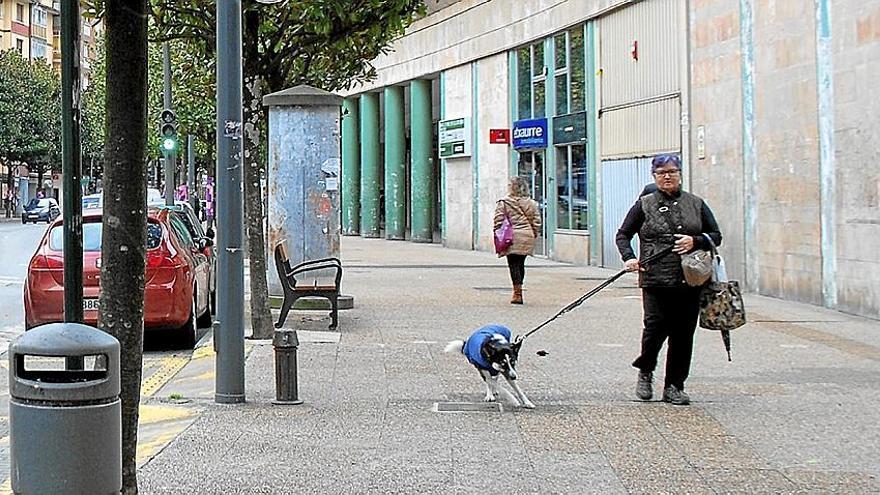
(65, 425)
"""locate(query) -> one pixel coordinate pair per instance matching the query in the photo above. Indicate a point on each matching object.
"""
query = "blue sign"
(531, 133)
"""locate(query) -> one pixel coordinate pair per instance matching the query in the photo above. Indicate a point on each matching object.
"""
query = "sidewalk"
(796, 410)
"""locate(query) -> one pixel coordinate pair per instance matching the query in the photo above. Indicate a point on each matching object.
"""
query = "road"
(17, 244)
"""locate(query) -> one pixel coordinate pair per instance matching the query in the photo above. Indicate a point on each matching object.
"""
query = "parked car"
(93, 201)
(199, 235)
(40, 210)
(177, 273)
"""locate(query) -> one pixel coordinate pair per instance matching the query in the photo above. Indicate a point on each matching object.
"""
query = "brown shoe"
(517, 295)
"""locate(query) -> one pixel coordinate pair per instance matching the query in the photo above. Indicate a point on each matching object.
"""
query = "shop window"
(569, 71)
(572, 179)
(531, 91)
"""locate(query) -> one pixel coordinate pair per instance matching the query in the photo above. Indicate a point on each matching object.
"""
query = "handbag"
(504, 234)
(697, 267)
(721, 302)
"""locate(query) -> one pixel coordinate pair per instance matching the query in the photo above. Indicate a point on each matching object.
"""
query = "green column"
(370, 166)
(422, 171)
(351, 168)
(395, 165)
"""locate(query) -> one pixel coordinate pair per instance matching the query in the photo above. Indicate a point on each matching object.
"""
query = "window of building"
(568, 71)
(531, 95)
(38, 48)
(572, 181)
(19, 12)
(19, 46)
(38, 16)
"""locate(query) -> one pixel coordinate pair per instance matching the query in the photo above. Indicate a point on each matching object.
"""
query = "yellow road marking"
(148, 414)
(203, 352)
(170, 366)
(146, 450)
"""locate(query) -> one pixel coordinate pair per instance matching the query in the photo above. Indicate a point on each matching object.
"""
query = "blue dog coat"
(471, 348)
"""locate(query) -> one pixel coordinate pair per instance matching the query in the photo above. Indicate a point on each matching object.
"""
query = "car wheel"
(23, 221)
(189, 332)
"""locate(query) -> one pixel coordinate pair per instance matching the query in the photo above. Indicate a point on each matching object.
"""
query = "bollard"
(285, 344)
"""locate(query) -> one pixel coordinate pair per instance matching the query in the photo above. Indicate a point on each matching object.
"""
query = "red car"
(177, 287)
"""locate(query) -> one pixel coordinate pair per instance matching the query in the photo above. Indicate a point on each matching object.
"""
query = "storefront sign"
(570, 129)
(531, 133)
(499, 136)
(454, 138)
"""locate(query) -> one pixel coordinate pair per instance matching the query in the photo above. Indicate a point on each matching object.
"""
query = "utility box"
(65, 416)
(303, 176)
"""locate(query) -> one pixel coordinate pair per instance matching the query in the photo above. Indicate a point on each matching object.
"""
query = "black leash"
(606, 283)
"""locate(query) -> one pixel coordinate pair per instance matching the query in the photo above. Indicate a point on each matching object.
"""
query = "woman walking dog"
(523, 213)
(663, 218)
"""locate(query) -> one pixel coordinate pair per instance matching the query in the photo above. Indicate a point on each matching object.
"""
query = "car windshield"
(92, 237)
(40, 203)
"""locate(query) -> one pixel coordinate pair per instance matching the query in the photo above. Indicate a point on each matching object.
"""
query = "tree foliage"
(30, 110)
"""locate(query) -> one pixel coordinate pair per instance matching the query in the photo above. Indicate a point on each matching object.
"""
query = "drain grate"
(467, 407)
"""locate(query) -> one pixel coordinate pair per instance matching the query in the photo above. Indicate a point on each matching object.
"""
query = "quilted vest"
(664, 217)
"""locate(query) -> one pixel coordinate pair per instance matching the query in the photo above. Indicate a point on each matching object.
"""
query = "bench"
(302, 281)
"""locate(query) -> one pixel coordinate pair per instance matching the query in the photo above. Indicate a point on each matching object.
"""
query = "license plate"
(33, 216)
(91, 304)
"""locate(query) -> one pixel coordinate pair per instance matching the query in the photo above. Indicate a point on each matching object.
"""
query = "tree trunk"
(261, 316)
(124, 230)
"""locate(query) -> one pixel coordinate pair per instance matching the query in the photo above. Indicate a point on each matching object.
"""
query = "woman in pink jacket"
(526, 220)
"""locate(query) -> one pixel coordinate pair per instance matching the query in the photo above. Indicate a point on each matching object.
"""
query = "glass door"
(531, 166)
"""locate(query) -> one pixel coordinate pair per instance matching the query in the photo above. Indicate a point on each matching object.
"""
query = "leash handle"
(594, 290)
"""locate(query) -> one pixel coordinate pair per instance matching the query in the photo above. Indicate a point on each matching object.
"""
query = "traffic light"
(168, 130)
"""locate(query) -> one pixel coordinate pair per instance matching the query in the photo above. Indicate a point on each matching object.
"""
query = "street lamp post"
(229, 327)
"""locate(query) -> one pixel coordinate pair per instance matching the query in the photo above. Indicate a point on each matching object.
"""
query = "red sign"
(499, 136)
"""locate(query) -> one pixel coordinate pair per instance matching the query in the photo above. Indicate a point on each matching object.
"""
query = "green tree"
(30, 109)
(324, 43)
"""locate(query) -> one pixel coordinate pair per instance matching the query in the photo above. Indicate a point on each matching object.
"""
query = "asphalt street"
(17, 244)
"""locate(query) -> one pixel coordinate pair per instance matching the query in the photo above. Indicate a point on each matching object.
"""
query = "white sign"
(454, 137)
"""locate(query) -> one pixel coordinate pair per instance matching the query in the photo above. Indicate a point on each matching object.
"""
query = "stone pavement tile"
(572, 473)
(734, 481)
(702, 439)
(833, 482)
(556, 429)
(645, 479)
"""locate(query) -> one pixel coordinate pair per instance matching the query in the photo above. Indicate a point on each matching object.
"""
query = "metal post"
(169, 155)
(286, 343)
(71, 160)
(191, 173)
(229, 333)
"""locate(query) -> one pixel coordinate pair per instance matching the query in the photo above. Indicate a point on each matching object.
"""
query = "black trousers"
(670, 313)
(516, 263)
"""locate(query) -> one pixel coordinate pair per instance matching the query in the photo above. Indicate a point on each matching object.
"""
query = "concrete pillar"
(351, 168)
(395, 164)
(304, 161)
(422, 172)
(370, 167)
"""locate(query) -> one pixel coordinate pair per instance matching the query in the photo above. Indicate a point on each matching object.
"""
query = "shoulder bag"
(504, 233)
(721, 302)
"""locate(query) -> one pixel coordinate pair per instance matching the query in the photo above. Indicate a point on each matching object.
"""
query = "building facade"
(33, 28)
(766, 102)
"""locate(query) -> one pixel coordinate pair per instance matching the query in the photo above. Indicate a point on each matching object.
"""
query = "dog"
(491, 351)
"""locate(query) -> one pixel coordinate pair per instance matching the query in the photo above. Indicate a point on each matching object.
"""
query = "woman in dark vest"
(663, 218)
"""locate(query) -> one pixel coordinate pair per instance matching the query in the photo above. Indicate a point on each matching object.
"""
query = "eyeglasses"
(668, 173)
